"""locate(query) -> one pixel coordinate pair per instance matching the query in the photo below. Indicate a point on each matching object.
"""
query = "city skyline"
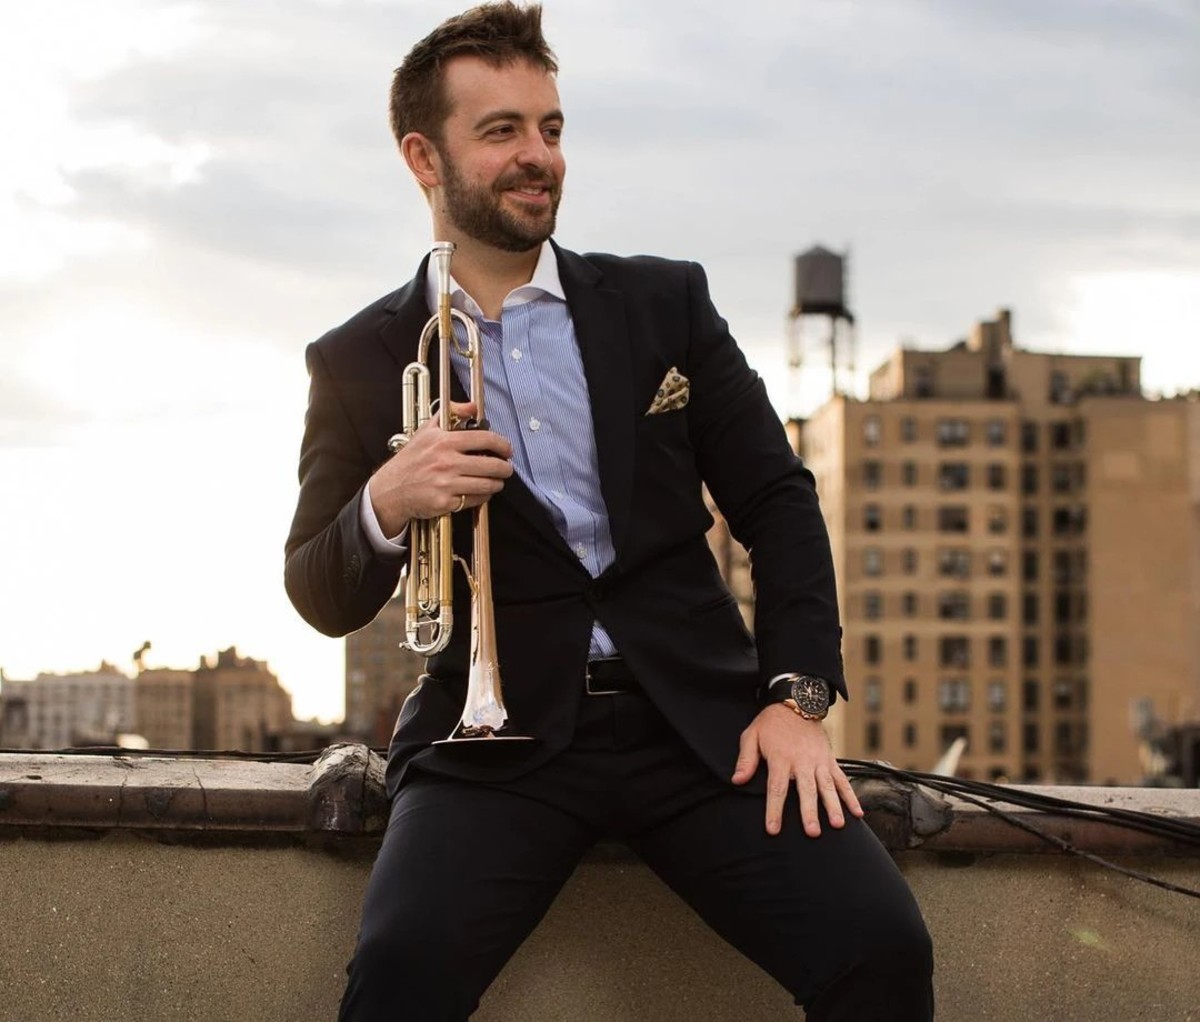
(200, 189)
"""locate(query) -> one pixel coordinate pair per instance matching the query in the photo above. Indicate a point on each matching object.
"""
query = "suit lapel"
(604, 344)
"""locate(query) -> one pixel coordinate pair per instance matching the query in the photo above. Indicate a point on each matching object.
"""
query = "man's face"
(501, 160)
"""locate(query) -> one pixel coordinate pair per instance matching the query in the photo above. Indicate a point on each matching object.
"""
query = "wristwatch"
(804, 694)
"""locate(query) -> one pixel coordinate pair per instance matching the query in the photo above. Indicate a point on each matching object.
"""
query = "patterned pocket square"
(672, 393)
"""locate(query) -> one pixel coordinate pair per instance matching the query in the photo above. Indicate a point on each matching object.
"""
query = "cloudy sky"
(191, 192)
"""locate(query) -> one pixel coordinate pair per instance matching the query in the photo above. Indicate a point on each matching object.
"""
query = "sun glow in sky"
(191, 192)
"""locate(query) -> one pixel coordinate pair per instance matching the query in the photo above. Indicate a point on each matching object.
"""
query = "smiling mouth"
(538, 194)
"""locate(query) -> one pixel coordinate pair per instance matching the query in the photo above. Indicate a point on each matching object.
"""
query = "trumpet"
(428, 578)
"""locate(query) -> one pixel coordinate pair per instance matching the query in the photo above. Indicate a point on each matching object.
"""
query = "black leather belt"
(609, 677)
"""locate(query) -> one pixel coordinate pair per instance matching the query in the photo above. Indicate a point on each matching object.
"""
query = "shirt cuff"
(394, 547)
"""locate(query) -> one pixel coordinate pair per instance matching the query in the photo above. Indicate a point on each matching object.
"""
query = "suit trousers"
(466, 870)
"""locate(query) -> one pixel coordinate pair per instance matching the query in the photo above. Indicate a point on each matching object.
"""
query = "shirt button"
(535, 425)
(581, 551)
(516, 354)
(556, 493)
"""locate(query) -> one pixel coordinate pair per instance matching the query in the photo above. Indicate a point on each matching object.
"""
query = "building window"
(873, 693)
(997, 476)
(954, 695)
(872, 474)
(908, 473)
(1029, 740)
(953, 518)
(910, 735)
(1069, 520)
(1061, 477)
(871, 431)
(1029, 565)
(1029, 522)
(872, 649)
(997, 562)
(1030, 695)
(908, 517)
(997, 605)
(872, 561)
(909, 561)
(908, 429)
(997, 651)
(997, 737)
(923, 380)
(997, 519)
(1064, 739)
(1064, 649)
(1029, 478)
(910, 648)
(1031, 653)
(954, 475)
(996, 432)
(910, 691)
(873, 605)
(1060, 436)
(909, 604)
(954, 651)
(1031, 610)
(954, 562)
(1063, 691)
(1062, 607)
(997, 696)
(872, 736)
(872, 518)
(954, 605)
(1029, 437)
(953, 432)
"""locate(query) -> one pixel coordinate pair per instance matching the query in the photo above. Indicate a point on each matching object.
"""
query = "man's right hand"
(428, 475)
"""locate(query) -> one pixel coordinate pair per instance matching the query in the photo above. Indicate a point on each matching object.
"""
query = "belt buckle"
(587, 685)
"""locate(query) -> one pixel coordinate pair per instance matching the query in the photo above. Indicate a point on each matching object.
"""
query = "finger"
(479, 442)
(460, 411)
(807, 787)
(849, 798)
(747, 761)
(778, 784)
(828, 792)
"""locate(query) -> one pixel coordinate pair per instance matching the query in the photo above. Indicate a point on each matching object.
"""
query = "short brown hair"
(500, 33)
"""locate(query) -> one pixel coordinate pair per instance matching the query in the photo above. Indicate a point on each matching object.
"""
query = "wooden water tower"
(820, 296)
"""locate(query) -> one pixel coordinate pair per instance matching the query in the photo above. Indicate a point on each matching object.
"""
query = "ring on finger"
(462, 502)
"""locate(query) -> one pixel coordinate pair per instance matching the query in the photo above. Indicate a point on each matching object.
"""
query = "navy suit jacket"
(662, 600)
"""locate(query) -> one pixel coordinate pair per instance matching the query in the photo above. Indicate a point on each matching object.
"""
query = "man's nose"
(535, 152)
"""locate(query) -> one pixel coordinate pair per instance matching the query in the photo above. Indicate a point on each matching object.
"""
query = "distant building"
(1017, 542)
(165, 707)
(14, 719)
(238, 703)
(379, 675)
(61, 711)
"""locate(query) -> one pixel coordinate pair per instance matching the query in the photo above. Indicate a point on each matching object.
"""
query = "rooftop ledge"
(341, 794)
(190, 889)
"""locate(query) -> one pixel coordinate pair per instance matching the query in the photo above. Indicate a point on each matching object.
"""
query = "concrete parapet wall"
(233, 922)
(122, 927)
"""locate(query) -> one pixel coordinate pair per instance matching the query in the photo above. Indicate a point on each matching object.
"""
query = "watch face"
(811, 695)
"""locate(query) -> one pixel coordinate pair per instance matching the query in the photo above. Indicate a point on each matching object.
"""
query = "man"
(613, 391)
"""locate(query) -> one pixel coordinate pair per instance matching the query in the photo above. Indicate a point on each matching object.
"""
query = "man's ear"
(422, 159)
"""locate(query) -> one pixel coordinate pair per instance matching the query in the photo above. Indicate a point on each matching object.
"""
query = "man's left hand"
(795, 750)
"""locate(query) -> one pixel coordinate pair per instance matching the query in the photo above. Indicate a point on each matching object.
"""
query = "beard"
(477, 210)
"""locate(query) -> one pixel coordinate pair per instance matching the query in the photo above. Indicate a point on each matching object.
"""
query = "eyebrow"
(513, 115)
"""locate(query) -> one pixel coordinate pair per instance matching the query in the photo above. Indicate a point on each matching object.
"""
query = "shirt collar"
(545, 281)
